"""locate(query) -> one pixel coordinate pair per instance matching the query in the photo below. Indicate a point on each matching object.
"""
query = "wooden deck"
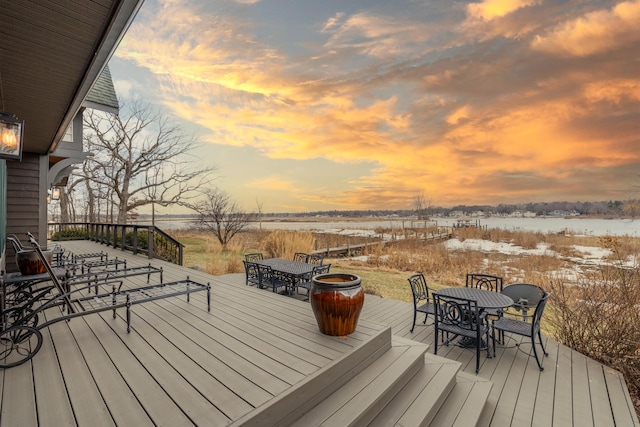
(258, 353)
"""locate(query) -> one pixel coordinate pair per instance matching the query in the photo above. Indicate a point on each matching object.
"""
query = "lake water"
(586, 226)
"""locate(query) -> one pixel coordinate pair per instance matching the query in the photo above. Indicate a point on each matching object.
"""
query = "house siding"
(26, 206)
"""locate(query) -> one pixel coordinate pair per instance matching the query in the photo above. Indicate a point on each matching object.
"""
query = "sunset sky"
(321, 105)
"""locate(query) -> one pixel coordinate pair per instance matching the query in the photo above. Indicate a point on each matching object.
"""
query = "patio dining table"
(485, 299)
(291, 271)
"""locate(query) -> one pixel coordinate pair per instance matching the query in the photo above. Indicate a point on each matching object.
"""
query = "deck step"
(303, 397)
(464, 404)
(360, 400)
(419, 401)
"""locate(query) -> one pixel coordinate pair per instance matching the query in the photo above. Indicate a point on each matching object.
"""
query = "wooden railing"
(146, 239)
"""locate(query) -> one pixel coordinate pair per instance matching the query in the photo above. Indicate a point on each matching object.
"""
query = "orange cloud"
(492, 9)
(595, 32)
(273, 182)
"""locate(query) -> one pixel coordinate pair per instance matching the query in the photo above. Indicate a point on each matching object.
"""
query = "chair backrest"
(251, 269)
(419, 288)
(300, 257)
(51, 273)
(253, 257)
(537, 315)
(320, 269)
(484, 281)
(16, 243)
(525, 296)
(264, 273)
(316, 259)
(458, 312)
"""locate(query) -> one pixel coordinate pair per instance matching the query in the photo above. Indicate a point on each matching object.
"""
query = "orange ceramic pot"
(29, 263)
(336, 300)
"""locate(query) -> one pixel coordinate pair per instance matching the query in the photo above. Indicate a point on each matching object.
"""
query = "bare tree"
(220, 215)
(422, 204)
(259, 212)
(140, 158)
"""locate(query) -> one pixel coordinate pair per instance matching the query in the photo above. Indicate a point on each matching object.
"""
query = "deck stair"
(398, 383)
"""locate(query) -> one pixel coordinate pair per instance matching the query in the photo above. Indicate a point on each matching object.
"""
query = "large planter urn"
(29, 263)
(336, 300)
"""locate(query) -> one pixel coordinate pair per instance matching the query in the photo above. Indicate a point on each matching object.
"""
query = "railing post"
(150, 241)
(124, 233)
(135, 239)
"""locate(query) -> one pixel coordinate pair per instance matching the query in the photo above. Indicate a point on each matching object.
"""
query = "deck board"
(54, 409)
(121, 401)
(86, 400)
(182, 365)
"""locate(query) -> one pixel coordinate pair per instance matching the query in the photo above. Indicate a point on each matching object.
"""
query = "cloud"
(376, 36)
(594, 32)
(466, 116)
(273, 182)
(492, 9)
(333, 22)
(460, 114)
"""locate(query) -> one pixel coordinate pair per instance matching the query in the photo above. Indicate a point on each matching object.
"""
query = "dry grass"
(284, 244)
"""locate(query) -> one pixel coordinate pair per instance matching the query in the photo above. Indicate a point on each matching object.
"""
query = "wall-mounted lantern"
(11, 129)
(55, 193)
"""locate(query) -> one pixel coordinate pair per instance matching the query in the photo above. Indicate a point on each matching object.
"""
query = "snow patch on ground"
(592, 252)
(500, 247)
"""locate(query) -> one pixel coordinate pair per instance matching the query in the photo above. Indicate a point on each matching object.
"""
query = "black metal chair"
(523, 328)
(461, 317)
(422, 302)
(252, 274)
(268, 279)
(525, 298)
(316, 259)
(484, 281)
(307, 282)
(253, 257)
(300, 257)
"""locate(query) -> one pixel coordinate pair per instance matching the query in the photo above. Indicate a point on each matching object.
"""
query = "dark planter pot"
(29, 263)
(336, 300)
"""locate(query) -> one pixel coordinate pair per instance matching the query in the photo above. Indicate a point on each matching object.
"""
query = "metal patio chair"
(422, 302)
(523, 328)
(252, 275)
(461, 317)
(484, 281)
(307, 282)
(253, 257)
(316, 259)
(300, 257)
(525, 298)
(268, 279)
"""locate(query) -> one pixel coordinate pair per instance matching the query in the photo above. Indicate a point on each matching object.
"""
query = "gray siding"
(26, 202)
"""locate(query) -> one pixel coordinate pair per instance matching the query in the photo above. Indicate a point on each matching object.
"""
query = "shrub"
(599, 316)
(71, 233)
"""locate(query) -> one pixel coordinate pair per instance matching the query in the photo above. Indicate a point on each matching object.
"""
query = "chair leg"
(425, 318)
(493, 339)
(478, 345)
(535, 353)
(544, 350)
(413, 325)
(494, 344)
(435, 347)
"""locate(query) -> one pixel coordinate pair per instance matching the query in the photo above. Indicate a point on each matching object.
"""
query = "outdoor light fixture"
(55, 193)
(10, 137)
